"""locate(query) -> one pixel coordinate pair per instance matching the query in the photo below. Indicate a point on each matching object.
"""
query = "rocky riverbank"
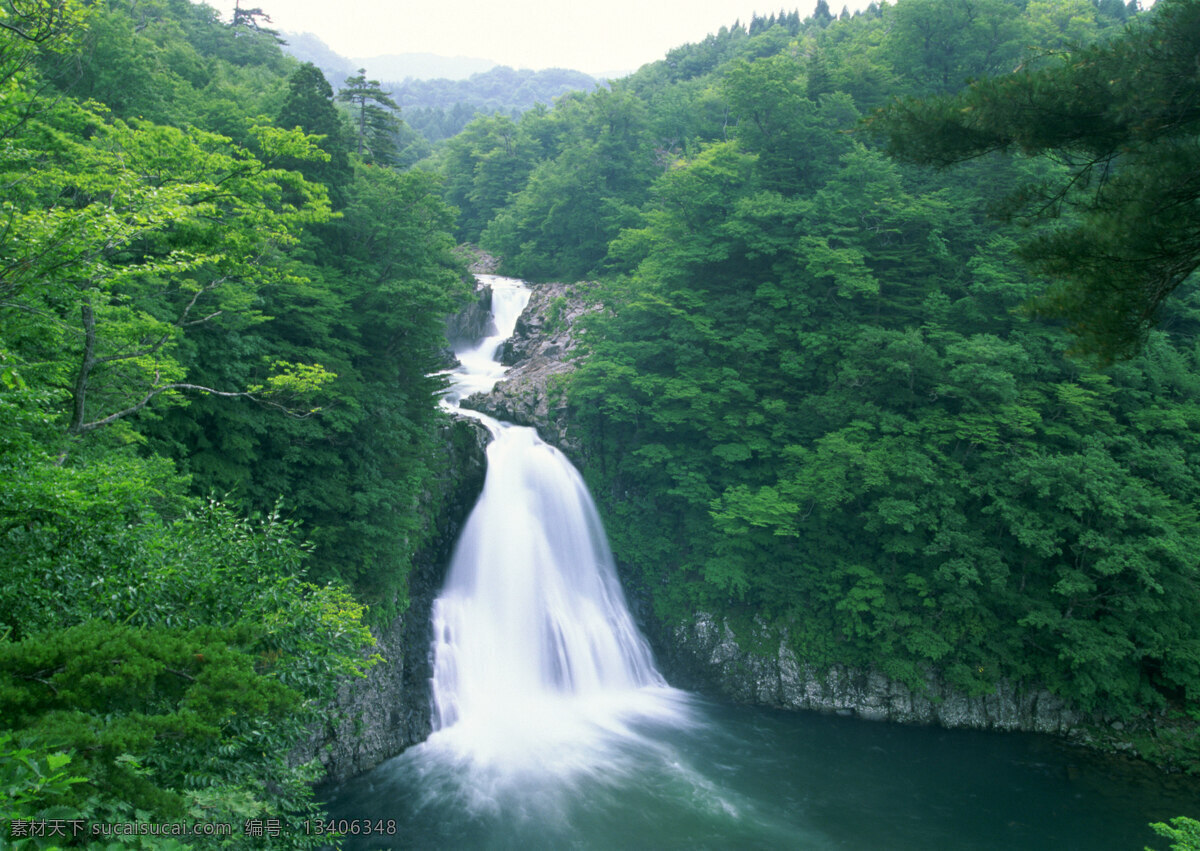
(706, 655)
(759, 666)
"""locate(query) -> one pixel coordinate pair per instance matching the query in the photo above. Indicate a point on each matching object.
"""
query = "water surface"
(745, 777)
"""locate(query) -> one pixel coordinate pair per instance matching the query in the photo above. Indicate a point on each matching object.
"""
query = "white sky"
(609, 36)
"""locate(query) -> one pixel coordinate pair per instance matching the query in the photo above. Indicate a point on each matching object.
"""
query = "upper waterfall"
(480, 366)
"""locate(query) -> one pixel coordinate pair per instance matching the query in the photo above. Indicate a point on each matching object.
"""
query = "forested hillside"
(439, 109)
(818, 400)
(217, 320)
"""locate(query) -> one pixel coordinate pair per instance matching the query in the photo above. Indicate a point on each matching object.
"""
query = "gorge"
(552, 726)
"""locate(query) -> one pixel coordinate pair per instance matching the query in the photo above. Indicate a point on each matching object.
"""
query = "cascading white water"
(531, 608)
(536, 657)
(480, 367)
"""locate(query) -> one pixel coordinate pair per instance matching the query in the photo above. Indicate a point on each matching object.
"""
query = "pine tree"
(249, 19)
(309, 106)
(376, 120)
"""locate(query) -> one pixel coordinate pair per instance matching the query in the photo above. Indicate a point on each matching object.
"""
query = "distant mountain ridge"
(439, 109)
(308, 47)
(439, 95)
(423, 66)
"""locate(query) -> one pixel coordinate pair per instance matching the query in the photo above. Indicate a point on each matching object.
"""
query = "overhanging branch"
(84, 428)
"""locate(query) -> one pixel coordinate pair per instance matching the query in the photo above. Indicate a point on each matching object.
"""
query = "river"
(553, 728)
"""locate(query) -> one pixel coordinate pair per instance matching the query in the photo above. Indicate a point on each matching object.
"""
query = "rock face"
(473, 322)
(705, 655)
(388, 710)
(478, 261)
(540, 353)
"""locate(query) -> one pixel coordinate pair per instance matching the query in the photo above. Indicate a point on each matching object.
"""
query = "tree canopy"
(1123, 116)
(216, 416)
(375, 119)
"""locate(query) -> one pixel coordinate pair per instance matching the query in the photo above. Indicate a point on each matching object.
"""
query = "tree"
(30, 33)
(162, 656)
(172, 650)
(821, 14)
(940, 44)
(373, 312)
(485, 164)
(1124, 117)
(1185, 830)
(375, 119)
(122, 245)
(250, 19)
(309, 106)
(572, 205)
(777, 121)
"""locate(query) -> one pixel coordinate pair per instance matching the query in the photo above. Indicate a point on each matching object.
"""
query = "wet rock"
(541, 353)
(706, 655)
(473, 322)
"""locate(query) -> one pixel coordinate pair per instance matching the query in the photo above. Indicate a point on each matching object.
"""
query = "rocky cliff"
(473, 322)
(705, 655)
(380, 715)
(758, 666)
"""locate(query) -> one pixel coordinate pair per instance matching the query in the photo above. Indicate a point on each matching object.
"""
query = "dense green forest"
(218, 312)
(836, 393)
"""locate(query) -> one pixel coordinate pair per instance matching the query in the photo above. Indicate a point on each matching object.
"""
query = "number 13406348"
(350, 827)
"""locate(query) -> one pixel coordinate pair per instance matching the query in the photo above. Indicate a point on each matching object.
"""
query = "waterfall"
(536, 657)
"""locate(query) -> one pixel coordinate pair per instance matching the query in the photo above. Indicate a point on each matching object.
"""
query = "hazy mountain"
(440, 94)
(498, 89)
(309, 48)
(438, 109)
(399, 66)
(422, 66)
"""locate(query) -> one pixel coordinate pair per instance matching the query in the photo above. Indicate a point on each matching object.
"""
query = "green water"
(745, 778)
